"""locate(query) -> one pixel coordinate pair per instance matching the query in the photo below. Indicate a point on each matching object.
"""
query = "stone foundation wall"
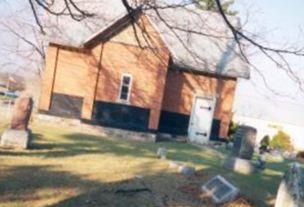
(112, 133)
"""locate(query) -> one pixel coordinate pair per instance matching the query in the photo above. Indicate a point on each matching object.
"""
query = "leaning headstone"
(186, 170)
(239, 165)
(162, 153)
(244, 143)
(220, 190)
(18, 135)
(291, 189)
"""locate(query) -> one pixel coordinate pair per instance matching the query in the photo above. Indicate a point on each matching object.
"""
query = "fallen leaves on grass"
(240, 202)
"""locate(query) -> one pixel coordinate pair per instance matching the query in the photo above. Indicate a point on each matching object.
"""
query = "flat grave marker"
(220, 189)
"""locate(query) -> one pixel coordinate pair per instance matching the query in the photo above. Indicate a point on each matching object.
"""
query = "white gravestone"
(220, 190)
(162, 153)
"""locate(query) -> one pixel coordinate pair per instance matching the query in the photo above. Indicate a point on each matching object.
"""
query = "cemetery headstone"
(21, 113)
(244, 143)
(220, 190)
(162, 153)
(19, 135)
(242, 152)
(186, 170)
(291, 189)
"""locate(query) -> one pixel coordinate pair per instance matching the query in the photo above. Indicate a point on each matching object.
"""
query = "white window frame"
(120, 88)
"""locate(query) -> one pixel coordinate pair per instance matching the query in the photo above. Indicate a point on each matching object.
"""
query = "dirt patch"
(195, 192)
(240, 202)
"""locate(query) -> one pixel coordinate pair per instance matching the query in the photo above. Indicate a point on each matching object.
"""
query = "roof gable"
(137, 32)
(197, 40)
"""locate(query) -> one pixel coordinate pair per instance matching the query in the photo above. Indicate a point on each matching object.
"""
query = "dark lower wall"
(124, 116)
(65, 106)
(177, 124)
(121, 116)
(181, 87)
(215, 130)
(173, 123)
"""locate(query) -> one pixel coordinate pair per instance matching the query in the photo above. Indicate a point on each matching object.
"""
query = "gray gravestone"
(18, 135)
(291, 189)
(220, 190)
(242, 152)
(244, 142)
(186, 170)
(162, 153)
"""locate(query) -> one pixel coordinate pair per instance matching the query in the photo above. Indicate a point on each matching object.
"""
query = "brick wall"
(182, 87)
(97, 75)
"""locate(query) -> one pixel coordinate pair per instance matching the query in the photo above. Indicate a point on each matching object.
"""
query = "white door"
(201, 120)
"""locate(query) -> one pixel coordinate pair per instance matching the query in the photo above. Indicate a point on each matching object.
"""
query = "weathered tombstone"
(18, 135)
(220, 190)
(242, 152)
(186, 170)
(291, 189)
(244, 142)
(162, 153)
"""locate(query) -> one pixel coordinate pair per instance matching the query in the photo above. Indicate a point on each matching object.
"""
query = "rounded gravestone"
(244, 142)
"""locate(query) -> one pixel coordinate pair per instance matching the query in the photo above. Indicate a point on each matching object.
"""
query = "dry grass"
(67, 167)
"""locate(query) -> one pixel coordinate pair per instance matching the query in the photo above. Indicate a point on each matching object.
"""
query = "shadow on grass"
(26, 180)
(30, 185)
(83, 144)
(33, 184)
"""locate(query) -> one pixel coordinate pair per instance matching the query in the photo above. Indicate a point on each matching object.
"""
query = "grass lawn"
(68, 167)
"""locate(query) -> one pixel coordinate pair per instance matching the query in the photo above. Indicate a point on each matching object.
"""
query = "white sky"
(278, 22)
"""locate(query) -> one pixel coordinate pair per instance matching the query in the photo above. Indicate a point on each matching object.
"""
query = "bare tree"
(244, 39)
(24, 47)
